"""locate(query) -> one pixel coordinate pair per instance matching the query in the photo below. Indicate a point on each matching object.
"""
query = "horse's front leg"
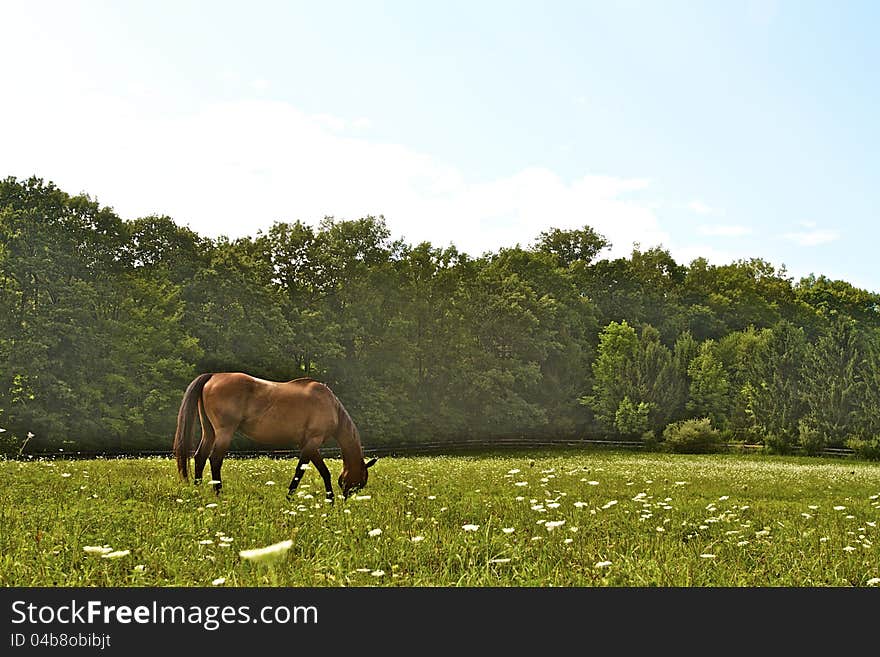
(300, 469)
(318, 460)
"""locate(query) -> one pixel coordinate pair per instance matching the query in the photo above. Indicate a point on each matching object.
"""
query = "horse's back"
(274, 412)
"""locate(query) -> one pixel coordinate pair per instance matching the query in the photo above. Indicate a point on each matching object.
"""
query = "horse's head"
(353, 480)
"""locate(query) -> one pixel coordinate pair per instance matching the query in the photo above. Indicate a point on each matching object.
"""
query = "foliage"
(632, 419)
(696, 436)
(709, 388)
(811, 439)
(773, 383)
(104, 321)
(833, 380)
(868, 448)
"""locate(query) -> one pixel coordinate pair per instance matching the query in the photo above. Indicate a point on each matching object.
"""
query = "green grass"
(753, 513)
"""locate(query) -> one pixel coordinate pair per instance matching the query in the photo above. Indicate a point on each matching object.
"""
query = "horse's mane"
(304, 379)
(308, 379)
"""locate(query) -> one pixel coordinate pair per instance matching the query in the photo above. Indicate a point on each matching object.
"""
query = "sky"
(725, 130)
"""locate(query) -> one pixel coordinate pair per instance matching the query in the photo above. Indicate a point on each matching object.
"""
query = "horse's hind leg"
(205, 446)
(223, 438)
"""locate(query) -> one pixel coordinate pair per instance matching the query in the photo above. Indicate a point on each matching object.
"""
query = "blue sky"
(723, 129)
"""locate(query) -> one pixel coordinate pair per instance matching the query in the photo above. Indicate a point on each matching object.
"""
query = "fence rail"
(412, 449)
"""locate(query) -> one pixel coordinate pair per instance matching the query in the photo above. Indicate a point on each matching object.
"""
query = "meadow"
(543, 518)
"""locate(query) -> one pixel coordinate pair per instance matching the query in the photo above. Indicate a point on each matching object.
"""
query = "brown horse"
(302, 412)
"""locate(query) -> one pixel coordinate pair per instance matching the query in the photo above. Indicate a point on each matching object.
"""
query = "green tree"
(614, 369)
(709, 388)
(833, 383)
(773, 389)
(640, 369)
(570, 246)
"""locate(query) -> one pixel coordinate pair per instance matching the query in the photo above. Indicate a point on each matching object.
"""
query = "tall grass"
(549, 518)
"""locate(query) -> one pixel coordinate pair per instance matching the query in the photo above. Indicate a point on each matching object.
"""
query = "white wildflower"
(267, 554)
(118, 554)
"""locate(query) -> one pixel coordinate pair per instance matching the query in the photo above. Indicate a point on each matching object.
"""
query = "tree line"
(104, 321)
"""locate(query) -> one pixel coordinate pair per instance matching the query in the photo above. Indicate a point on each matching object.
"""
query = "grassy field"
(549, 518)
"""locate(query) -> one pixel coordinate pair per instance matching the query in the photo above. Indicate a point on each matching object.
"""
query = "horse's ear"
(372, 461)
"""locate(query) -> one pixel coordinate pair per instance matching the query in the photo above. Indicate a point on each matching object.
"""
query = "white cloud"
(721, 230)
(235, 167)
(812, 237)
(701, 208)
(684, 255)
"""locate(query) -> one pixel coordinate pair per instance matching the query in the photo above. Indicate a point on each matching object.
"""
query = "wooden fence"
(417, 449)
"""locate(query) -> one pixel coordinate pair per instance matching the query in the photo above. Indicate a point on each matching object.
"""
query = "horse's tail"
(189, 408)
